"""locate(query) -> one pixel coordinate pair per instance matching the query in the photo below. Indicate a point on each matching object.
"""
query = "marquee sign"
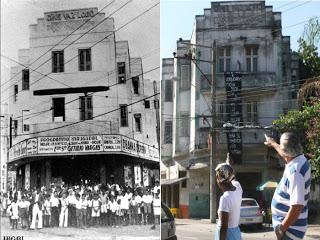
(82, 144)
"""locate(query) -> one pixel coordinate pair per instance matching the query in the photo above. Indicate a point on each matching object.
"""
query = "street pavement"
(140, 232)
(193, 229)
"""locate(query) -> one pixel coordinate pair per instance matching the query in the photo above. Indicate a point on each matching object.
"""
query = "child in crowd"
(14, 212)
(23, 211)
(147, 201)
(118, 214)
(89, 209)
(134, 209)
(124, 206)
(112, 210)
(96, 204)
(9, 211)
(104, 210)
(47, 211)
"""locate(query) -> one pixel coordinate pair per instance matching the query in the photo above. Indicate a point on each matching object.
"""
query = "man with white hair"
(290, 201)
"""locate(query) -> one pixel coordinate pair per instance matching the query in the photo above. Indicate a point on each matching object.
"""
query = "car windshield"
(248, 203)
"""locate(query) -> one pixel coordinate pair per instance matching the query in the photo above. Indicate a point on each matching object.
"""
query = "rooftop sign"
(76, 14)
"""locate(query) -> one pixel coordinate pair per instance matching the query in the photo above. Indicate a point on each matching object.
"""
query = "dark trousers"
(79, 216)
(72, 219)
(54, 217)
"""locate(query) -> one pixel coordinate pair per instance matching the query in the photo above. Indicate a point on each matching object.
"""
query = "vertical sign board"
(234, 110)
(27, 176)
(145, 175)
(137, 174)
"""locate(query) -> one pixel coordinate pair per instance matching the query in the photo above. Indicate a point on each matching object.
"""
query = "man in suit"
(37, 200)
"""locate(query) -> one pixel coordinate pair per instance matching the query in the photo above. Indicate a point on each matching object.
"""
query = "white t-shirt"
(230, 202)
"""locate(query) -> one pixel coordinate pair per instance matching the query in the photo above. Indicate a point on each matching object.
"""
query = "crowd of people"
(83, 206)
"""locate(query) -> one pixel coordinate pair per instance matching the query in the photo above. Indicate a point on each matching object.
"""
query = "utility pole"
(213, 187)
(156, 104)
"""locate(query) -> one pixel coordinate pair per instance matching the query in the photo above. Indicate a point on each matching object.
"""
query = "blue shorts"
(232, 234)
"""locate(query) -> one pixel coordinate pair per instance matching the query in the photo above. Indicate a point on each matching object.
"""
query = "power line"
(99, 115)
(32, 115)
(94, 80)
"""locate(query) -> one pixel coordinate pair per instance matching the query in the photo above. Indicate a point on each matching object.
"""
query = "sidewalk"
(192, 229)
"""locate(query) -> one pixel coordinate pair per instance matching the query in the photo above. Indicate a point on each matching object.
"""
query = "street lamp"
(213, 197)
(22, 119)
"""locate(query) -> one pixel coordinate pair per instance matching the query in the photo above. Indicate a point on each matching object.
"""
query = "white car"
(250, 213)
(168, 226)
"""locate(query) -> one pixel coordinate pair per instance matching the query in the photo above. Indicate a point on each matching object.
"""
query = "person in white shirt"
(229, 204)
(23, 211)
(104, 209)
(63, 220)
(79, 212)
(84, 206)
(14, 210)
(113, 208)
(54, 204)
(156, 188)
(147, 203)
(140, 209)
(47, 211)
(96, 205)
(156, 209)
(124, 205)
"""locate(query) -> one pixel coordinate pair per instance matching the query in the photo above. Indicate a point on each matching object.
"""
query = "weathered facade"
(66, 130)
(252, 56)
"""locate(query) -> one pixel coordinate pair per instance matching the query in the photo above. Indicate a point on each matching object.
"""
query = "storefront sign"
(77, 14)
(234, 109)
(32, 146)
(53, 144)
(112, 143)
(83, 144)
(92, 143)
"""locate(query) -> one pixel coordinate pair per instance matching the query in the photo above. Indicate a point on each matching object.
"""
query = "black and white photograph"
(80, 124)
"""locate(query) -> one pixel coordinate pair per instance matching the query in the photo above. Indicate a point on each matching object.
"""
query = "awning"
(172, 181)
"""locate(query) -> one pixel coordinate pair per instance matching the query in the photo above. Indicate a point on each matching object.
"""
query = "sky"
(17, 15)
(177, 19)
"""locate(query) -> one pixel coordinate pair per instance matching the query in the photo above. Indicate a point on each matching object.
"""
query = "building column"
(103, 172)
(48, 172)
(42, 173)
(33, 176)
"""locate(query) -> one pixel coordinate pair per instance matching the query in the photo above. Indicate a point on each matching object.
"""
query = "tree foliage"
(306, 123)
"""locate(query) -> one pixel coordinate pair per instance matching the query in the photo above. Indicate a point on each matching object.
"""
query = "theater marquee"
(42, 146)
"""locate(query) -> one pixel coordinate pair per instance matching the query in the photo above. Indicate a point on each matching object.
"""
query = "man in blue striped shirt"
(290, 201)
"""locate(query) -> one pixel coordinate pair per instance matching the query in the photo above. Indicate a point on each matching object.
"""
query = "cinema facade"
(84, 112)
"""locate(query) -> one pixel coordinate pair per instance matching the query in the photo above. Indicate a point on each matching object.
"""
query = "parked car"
(168, 226)
(251, 213)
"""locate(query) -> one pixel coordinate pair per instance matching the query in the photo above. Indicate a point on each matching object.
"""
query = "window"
(252, 113)
(58, 109)
(85, 108)
(135, 85)
(137, 120)
(146, 103)
(57, 61)
(224, 59)
(185, 77)
(25, 79)
(84, 59)
(167, 132)
(168, 91)
(15, 127)
(184, 125)
(156, 104)
(121, 72)
(252, 58)
(26, 127)
(15, 94)
(123, 116)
